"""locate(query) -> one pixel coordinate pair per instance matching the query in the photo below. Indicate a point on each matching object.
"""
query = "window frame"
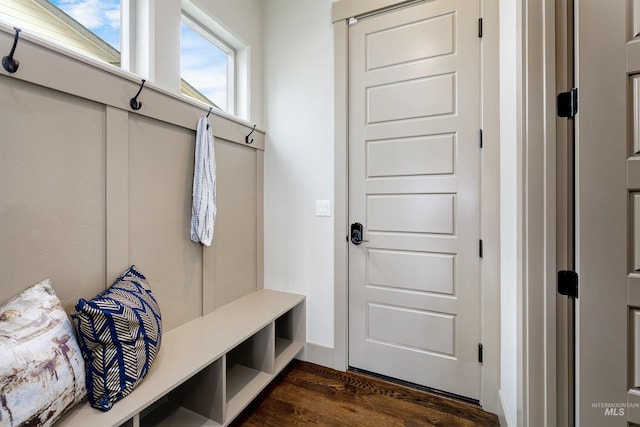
(65, 31)
(210, 35)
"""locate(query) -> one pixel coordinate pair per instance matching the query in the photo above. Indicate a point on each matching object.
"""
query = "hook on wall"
(246, 138)
(210, 108)
(133, 102)
(10, 64)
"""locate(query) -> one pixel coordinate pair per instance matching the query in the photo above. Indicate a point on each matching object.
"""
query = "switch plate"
(323, 207)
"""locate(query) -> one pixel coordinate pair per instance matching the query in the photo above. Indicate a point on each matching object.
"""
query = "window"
(101, 17)
(206, 66)
(214, 63)
(90, 27)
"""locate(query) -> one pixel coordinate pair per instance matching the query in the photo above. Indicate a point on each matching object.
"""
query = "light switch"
(323, 207)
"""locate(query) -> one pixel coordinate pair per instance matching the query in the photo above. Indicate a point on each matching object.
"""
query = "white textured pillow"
(41, 367)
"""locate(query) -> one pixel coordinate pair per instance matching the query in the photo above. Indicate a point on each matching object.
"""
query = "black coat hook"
(246, 138)
(10, 64)
(135, 105)
(210, 108)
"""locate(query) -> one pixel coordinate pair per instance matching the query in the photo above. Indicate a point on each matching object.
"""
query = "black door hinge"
(568, 103)
(480, 353)
(481, 139)
(480, 27)
(568, 283)
(480, 248)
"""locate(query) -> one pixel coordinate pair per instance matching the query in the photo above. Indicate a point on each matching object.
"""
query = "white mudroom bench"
(209, 369)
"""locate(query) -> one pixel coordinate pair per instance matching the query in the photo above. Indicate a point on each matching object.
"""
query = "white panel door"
(604, 236)
(414, 184)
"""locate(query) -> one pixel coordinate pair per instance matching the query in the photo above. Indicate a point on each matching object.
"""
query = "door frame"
(541, 185)
(490, 187)
(536, 99)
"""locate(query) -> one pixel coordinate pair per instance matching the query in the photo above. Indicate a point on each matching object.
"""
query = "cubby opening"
(128, 423)
(203, 394)
(290, 335)
(249, 367)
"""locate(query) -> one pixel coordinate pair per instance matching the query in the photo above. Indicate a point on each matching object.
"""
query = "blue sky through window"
(203, 65)
(102, 17)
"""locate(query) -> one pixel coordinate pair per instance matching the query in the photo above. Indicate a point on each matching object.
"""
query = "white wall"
(298, 82)
(508, 212)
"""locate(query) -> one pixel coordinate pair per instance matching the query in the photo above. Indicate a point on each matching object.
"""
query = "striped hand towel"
(203, 212)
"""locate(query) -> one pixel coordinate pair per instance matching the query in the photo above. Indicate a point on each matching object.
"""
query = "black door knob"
(356, 233)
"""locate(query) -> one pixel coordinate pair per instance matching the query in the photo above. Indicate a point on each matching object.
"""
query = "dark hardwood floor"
(310, 394)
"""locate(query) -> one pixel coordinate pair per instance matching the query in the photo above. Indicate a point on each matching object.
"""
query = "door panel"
(635, 316)
(414, 166)
(633, 213)
(406, 100)
(388, 326)
(382, 47)
(603, 223)
(412, 156)
(411, 271)
(422, 213)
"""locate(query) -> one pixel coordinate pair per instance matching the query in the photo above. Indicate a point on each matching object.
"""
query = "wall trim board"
(51, 66)
(503, 415)
(116, 191)
(536, 151)
(345, 9)
(341, 195)
(318, 354)
(260, 219)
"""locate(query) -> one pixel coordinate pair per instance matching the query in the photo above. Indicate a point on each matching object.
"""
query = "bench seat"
(209, 369)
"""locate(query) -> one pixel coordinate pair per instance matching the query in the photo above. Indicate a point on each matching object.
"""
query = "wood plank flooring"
(311, 394)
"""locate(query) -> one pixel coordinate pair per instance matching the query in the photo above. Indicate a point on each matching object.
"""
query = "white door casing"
(414, 167)
(601, 223)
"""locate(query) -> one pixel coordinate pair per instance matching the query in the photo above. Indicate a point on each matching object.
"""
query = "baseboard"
(318, 354)
(503, 415)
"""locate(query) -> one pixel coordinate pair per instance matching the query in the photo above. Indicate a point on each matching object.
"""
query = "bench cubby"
(289, 327)
(210, 369)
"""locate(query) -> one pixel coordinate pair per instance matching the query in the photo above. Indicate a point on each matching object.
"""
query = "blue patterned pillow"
(119, 332)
